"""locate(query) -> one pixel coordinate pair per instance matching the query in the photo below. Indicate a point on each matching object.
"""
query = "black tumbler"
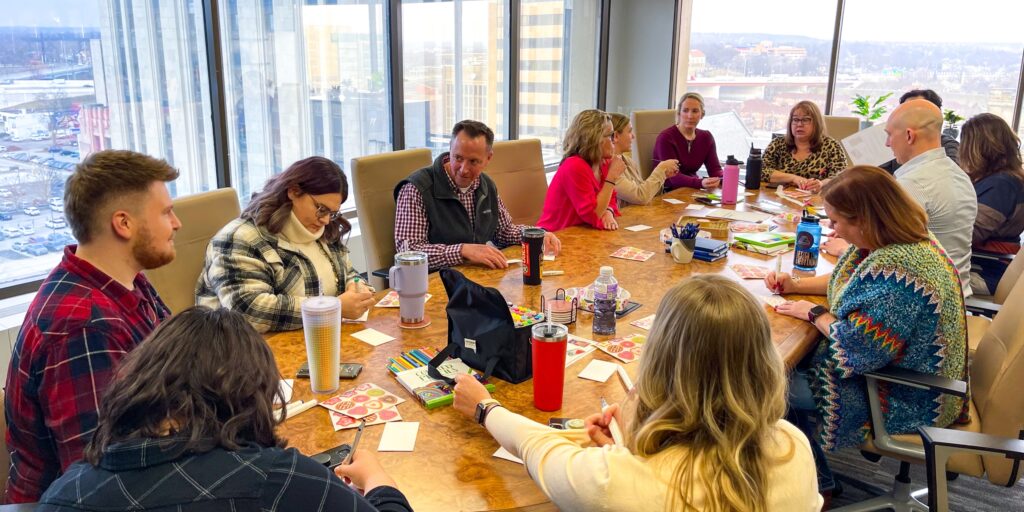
(533, 245)
(754, 165)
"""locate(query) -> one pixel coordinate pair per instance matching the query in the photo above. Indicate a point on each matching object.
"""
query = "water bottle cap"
(606, 270)
(731, 161)
(807, 217)
(755, 152)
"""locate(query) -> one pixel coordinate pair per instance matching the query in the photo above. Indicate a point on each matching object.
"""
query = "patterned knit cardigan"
(900, 305)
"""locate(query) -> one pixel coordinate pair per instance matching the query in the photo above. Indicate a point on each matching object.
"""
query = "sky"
(50, 13)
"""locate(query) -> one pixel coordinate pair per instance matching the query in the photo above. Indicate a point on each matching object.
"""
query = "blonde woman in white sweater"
(703, 431)
(631, 187)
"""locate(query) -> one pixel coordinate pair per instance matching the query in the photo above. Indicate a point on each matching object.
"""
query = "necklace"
(689, 145)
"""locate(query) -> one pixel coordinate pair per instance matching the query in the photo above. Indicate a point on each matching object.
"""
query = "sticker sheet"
(627, 349)
(750, 271)
(341, 422)
(362, 401)
(632, 253)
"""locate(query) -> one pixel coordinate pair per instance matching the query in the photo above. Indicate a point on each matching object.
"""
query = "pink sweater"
(572, 196)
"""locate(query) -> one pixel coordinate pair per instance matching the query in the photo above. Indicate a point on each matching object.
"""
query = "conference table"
(452, 466)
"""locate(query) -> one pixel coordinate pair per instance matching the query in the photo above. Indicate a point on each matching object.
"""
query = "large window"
(454, 56)
(303, 80)
(973, 62)
(86, 76)
(752, 61)
(557, 68)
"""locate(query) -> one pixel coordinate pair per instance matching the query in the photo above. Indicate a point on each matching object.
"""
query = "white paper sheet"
(598, 370)
(867, 147)
(372, 336)
(399, 436)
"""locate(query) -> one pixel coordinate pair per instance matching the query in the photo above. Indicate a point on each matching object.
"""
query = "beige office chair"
(517, 169)
(373, 182)
(202, 216)
(983, 307)
(987, 446)
(841, 127)
(647, 124)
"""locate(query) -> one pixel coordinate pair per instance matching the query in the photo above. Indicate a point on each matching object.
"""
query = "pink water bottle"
(730, 180)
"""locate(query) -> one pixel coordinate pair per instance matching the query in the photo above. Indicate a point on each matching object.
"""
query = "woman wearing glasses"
(805, 157)
(286, 246)
(583, 189)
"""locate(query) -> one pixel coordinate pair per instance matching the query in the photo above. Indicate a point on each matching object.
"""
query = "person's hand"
(615, 169)
(355, 303)
(468, 393)
(710, 183)
(597, 428)
(780, 283)
(798, 181)
(364, 472)
(670, 166)
(552, 245)
(835, 246)
(485, 255)
(608, 221)
(810, 185)
(795, 309)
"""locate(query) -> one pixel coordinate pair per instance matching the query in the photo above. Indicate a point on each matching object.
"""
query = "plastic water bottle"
(730, 180)
(606, 291)
(808, 237)
(754, 166)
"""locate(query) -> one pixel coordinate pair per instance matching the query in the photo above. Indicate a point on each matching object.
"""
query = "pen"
(624, 377)
(778, 270)
(613, 425)
(299, 408)
(355, 443)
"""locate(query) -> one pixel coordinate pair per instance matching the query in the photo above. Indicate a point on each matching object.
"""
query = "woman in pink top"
(583, 189)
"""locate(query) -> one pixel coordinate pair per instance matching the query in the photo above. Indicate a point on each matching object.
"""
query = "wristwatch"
(815, 312)
(484, 408)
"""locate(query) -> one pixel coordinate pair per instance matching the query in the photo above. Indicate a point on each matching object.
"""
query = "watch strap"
(484, 408)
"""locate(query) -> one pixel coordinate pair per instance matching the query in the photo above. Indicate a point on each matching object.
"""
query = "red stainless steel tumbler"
(548, 343)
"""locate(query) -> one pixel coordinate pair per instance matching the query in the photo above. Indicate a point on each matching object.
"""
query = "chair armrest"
(941, 443)
(920, 380)
(382, 273)
(982, 306)
(985, 255)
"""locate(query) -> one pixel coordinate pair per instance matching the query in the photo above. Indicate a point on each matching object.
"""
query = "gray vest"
(449, 222)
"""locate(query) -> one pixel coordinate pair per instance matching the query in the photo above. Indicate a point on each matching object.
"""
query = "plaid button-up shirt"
(412, 225)
(79, 327)
(144, 474)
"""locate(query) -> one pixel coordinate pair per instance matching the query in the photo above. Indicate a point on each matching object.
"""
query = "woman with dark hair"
(990, 153)
(188, 424)
(286, 246)
(894, 300)
(805, 157)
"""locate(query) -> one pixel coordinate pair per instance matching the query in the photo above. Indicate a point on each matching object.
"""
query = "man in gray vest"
(451, 210)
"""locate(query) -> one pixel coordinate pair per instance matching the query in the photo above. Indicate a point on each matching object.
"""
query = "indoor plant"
(951, 117)
(869, 110)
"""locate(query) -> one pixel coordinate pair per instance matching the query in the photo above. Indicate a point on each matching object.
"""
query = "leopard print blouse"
(824, 163)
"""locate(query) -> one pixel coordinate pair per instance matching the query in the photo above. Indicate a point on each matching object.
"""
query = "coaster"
(415, 325)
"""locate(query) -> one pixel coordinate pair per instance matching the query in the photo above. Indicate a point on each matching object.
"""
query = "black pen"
(355, 443)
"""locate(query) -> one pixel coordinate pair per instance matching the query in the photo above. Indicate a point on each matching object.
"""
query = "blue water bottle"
(808, 237)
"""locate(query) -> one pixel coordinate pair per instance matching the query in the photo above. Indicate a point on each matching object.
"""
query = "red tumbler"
(549, 343)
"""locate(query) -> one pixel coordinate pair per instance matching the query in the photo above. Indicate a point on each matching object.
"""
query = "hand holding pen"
(603, 428)
(779, 283)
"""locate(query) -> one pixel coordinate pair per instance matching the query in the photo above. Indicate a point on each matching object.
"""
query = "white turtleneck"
(308, 244)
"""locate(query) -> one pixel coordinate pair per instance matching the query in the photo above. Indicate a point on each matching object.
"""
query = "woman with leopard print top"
(805, 157)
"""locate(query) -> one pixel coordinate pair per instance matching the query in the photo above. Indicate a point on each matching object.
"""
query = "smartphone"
(346, 370)
(707, 200)
(565, 423)
(334, 457)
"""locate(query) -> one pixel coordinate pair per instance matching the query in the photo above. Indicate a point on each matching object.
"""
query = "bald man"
(934, 180)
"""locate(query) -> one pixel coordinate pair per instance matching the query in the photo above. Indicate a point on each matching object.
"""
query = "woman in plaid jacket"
(286, 246)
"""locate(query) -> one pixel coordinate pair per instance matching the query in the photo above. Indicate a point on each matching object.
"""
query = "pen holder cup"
(682, 250)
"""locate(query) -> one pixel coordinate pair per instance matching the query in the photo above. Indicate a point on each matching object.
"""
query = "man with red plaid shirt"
(88, 314)
(451, 210)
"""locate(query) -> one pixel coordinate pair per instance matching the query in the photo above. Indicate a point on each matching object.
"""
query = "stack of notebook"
(708, 249)
(765, 243)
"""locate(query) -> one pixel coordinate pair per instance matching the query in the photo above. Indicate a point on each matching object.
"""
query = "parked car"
(54, 245)
(6, 216)
(26, 230)
(56, 223)
(36, 249)
(31, 210)
(11, 231)
(19, 246)
(56, 201)
(7, 206)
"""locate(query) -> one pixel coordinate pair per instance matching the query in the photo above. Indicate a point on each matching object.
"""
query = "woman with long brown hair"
(805, 157)
(188, 424)
(990, 153)
(703, 432)
(286, 246)
(631, 186)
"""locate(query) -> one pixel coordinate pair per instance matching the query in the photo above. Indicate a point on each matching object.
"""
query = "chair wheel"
(950, 476)
(873, 457)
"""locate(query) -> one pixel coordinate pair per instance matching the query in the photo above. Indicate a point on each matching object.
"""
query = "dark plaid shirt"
(80, 325)
(142, 475)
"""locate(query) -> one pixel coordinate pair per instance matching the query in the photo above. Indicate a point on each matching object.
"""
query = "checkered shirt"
(79, 327)
(263, 276)
(412, 225)
(143, 474)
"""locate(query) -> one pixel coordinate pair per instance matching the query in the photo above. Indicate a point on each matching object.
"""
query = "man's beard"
(146, 255)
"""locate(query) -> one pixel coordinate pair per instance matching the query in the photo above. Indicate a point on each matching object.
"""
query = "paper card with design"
(576, 348)
(626, 349)
(797, 193)
(749, 227)
(774, 300)
(341, 421)
(391, 300)
(644, 323)
(750, 271)
(362, 400)
(632, 253)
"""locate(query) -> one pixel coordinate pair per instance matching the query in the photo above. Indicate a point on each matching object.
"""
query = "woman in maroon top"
(690, 146)
(583, 189)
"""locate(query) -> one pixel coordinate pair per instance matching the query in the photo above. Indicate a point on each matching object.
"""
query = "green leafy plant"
(952, 117)
(869, 110)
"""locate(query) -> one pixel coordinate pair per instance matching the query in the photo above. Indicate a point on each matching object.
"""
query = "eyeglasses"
(802, 120)
(323, 211)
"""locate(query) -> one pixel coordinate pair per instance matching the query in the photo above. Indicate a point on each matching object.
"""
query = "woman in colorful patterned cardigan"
(894, 300)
